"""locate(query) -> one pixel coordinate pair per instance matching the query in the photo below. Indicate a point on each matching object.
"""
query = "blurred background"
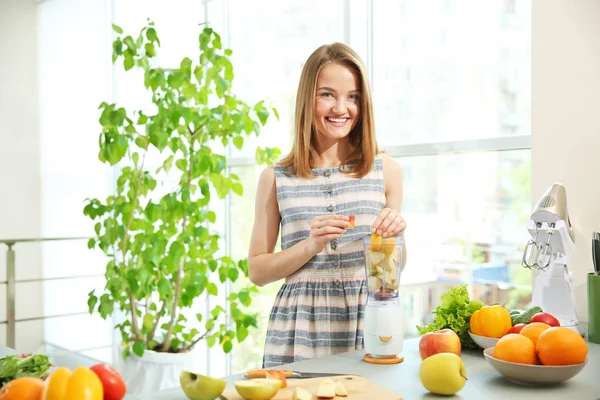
(452, 96)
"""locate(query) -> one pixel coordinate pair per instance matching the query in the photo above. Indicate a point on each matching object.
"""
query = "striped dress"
(319, 309)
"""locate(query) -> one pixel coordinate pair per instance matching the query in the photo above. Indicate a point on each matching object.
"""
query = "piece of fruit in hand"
(352, 222)
(200, 387)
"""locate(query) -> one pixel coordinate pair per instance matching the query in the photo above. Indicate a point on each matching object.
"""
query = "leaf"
(117, 28)
(233, 274)
(242, 333)
(92, 300)
(244, 297)
(139, 348)
(227, 346)
(164, 288)
(148, 321)
(152, 36)
(263, 115)
(238, 141)
(128, 62)
(211, 216)
(237, 188)
(212, 289)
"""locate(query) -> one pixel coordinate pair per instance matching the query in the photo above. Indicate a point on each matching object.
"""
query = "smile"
(337, 121)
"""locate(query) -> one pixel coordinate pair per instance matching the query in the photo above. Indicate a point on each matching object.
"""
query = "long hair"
(301, 158)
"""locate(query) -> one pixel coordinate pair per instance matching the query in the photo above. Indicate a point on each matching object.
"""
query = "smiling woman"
(337, 104)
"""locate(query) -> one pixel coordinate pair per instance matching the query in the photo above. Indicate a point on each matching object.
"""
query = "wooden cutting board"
(358, 389)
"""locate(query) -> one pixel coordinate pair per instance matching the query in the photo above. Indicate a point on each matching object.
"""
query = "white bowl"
(483, 341)
(532, 374)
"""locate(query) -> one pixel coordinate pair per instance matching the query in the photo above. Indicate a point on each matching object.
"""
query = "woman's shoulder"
(390, 166)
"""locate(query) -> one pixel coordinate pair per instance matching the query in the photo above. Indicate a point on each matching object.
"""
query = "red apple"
(516, 329)
(443, 341)
(545, 318)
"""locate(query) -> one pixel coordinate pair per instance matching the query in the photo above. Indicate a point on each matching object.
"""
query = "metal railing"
(11, 282)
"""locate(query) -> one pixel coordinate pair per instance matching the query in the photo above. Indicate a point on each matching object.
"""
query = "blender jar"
(383, 266)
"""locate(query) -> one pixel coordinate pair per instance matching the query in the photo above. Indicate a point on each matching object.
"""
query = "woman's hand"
(388, 223)
(324, 229)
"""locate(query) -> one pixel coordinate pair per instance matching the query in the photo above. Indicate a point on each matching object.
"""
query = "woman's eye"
(354, 96)
(326, 94)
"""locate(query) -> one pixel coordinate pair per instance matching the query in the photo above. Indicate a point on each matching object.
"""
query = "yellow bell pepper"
(81, 384)
(490, 321)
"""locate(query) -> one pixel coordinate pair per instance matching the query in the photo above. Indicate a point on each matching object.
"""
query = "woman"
(334, 171)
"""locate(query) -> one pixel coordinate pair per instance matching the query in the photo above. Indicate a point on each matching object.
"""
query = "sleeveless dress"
(319, 309)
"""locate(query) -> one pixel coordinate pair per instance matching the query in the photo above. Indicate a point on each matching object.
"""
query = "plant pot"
(153, 371)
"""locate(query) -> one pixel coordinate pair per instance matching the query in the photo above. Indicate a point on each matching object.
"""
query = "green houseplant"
(156, 228)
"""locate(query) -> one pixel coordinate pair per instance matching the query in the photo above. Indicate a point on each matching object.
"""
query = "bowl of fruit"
(488, 324)
(539, 354)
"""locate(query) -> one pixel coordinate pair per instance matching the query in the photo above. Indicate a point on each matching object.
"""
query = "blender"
(384, 323)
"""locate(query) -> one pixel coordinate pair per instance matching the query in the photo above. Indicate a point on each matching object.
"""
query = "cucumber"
(526, 315)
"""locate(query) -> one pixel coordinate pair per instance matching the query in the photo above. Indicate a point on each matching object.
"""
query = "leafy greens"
(454, 313)
(16, 366)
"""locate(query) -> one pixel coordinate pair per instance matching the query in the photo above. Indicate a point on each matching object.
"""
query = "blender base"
(383, 360)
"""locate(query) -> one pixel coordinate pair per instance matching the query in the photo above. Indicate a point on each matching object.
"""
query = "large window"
(451, 83)
(452, 98)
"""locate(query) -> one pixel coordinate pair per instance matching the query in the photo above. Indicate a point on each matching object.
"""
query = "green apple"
(200, 387)
(257, 389)
(443, 373)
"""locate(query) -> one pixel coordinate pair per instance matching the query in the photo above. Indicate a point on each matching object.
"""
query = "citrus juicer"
(548, 253)
(384, 323)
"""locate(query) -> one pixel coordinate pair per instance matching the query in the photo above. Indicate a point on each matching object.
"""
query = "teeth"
(338, 120)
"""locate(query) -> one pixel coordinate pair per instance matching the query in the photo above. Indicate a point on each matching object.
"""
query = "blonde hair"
(301, 158)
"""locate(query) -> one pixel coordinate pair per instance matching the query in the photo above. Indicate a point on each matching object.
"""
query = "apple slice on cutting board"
(358, 388)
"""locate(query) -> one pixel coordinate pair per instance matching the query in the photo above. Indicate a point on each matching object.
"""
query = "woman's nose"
(339, 107)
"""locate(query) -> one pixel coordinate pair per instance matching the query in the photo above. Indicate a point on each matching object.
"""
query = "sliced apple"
(352, 220)
(395, 255)
(257, 389)
(340, 389)
(200, 387)
(376, 258)
(326, 389)
(275, 374)
(301, 394)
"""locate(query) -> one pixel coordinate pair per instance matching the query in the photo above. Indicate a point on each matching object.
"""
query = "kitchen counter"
(483, 381)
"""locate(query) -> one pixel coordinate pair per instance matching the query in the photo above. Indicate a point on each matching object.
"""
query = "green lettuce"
(17, 366)
(454, 313)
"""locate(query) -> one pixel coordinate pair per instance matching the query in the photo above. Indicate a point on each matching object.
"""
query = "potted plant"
(156, 228)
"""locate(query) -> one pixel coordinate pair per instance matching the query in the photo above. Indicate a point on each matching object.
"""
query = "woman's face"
(337, 105)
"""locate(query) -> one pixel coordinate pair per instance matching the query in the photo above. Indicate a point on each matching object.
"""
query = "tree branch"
(157, 322)
(189, 347)
(177, 294)
(132, 304)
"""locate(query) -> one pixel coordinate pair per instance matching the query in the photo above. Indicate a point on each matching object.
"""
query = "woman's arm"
(394, 187)
(264, 266)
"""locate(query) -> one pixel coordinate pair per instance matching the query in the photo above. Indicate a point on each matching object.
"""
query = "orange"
(515, 348)
(561, 346)
(25, 388)
(534, 330)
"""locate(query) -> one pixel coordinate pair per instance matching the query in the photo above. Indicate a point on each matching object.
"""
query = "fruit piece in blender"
(352, 222)
(376, 241)
(389, 245)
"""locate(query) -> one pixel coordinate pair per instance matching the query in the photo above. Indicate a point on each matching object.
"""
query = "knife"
(261, 373)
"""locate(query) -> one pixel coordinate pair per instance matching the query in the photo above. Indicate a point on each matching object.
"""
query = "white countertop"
(483, 381)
